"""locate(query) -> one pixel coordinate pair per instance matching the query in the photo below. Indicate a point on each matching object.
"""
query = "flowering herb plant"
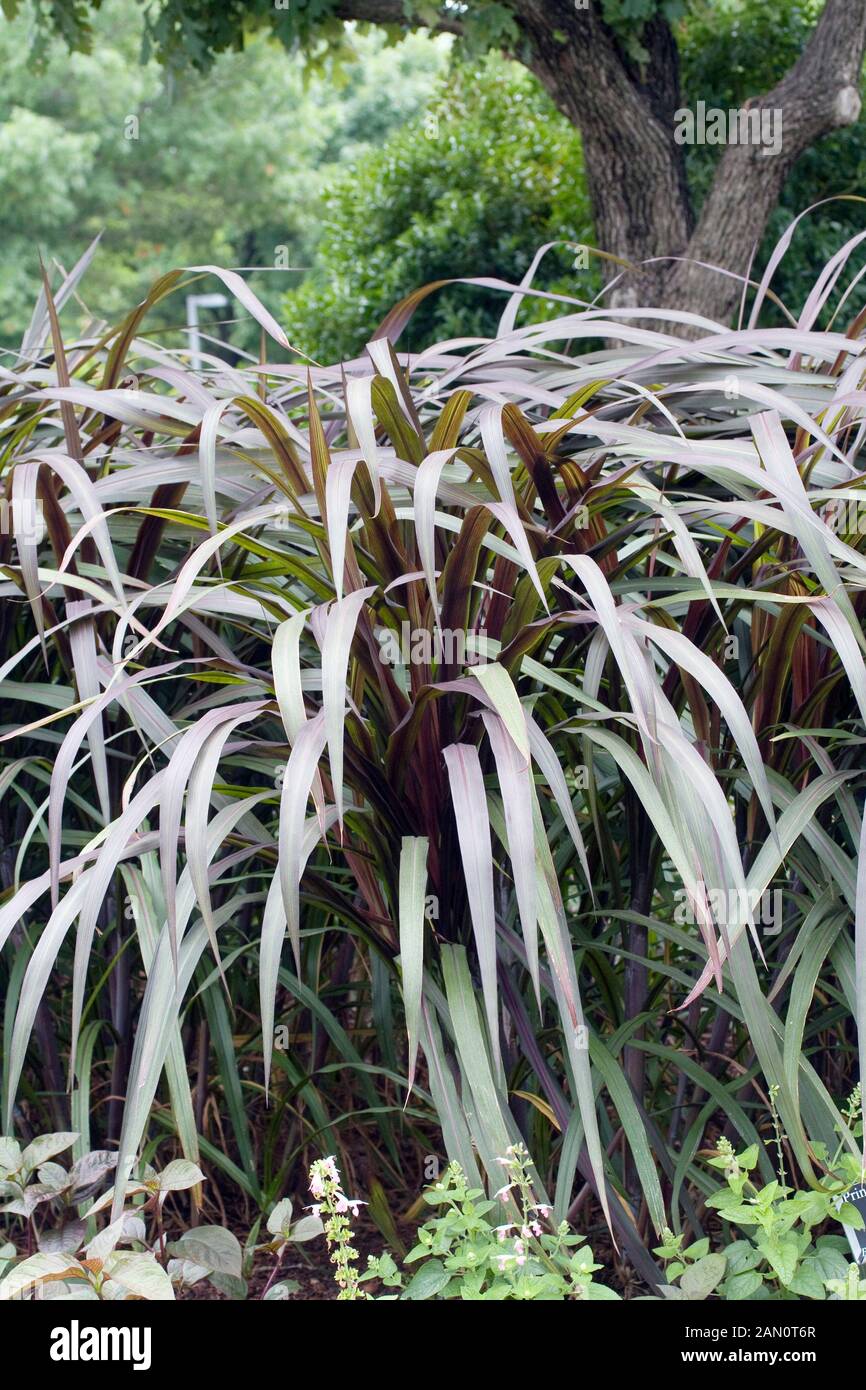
(333, 1209)
(465, 1253)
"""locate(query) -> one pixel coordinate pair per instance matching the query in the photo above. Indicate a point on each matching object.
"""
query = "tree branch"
(391, 12)
(819, 94)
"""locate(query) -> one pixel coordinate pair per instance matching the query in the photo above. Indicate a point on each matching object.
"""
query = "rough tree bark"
(636, 170)
(821, 93)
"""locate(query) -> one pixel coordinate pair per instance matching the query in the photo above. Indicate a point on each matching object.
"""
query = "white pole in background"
(194, 302)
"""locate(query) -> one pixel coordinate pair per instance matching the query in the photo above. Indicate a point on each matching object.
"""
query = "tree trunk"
(636, 169)
(821, 93)
(658, 252)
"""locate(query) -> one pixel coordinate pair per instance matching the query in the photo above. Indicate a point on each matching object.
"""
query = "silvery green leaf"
(88, 1171)
(699, 1280)
(139, 1274)
(132, 1189)
(413, 882)
(77, 1291)
(306, 1229)
(32, 1271)
(186, 1272)
(17, 1207)
(64, 1239)
(45, 1147)
(233, 1287)
(30, 1199)
(133, 1227)
(103, 1244)
(280, 1218)
(53, 1176)
(282, 1291)
(110, 1292)
(10, 1156)
(179, 1175)
(212, 1246)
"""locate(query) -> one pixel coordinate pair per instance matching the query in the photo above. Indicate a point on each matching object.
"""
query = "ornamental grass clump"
(580, 870)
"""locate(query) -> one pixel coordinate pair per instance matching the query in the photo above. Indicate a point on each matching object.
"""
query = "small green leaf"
(743, 1285)
(699, 1280)
(178, 1175)
(740, 1256)
(807, 1282)
(306, 1229)
(280, 1218)
(212, 1246)
(45, 1147)
(430, 1279)
(850, 1216)
(282, 1291)
(781, 1255)
(139, 1274)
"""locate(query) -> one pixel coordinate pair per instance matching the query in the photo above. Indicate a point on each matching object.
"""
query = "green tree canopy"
(613, 68)
(179, 168)
(487, 176)
(492, 171)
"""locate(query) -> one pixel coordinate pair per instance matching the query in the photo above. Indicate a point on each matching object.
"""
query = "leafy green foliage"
(274, 161)
(180, 168)
(31, 1180)
(460, 1254)
(493, 171)
(474, 188)
(778, 1255)
(197, 30)
(74, 1261)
